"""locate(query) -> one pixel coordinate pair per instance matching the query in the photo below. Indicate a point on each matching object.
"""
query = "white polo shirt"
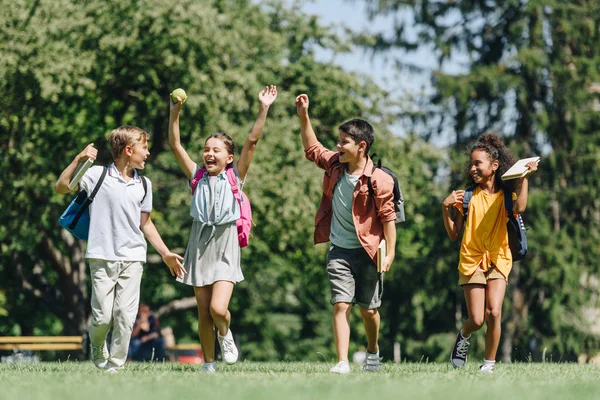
(115, 214)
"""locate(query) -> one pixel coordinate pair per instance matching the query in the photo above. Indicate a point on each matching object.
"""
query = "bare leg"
(341, 329)
(206, 325)
(371, 319)
(475, 298)
(493, 316)
(219, 304)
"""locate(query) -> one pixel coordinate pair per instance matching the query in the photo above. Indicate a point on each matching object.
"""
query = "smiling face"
(482, 168)
(349, 150)
(216, 156)
(138, 153)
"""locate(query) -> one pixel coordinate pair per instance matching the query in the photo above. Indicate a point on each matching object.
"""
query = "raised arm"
(266, 97)
(523, 190)
(184, 161)
(62, 185)
(306, 131)
(454, 224)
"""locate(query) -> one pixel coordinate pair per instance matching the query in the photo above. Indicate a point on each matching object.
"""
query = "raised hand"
(302, 105)
(175, 108)
(532, 166)
(455, 198)
(268, 95)
(89, 152)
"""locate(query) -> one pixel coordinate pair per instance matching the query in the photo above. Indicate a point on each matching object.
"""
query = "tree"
(532, 75)
(72, 71)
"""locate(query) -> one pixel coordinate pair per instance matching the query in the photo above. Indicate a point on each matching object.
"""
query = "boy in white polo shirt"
(116, 251)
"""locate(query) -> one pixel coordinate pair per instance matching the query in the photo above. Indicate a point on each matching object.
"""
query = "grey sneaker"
(340, 368)
(209, 368)
(228, 349)
(100, 355)
(372, 362)
(458, 357)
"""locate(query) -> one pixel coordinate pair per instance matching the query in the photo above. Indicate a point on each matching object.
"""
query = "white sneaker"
(372, 362)
(487, 368)
(100, 355)
(209, 368)
(112, 369)
(340, 368)
(228, 349)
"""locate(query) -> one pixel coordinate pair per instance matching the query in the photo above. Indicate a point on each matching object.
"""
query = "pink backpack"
(244, 223)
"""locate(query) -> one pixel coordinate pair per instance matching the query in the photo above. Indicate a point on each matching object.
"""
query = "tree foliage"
(531, 73)
(72, 71)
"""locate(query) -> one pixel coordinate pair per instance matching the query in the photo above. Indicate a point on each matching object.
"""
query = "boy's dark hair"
(359, 130)
(496, 149)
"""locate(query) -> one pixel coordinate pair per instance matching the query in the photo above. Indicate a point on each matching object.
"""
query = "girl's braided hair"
(496, 149)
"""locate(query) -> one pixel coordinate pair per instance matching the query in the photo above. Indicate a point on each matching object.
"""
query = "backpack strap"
(145, 185)
(100, 180)
(375, 166)
(508, 203)
(199, 174)
(232, 175)
(466, 199)
(88, 200)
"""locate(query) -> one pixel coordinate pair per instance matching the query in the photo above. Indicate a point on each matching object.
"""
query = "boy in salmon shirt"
(355, 221)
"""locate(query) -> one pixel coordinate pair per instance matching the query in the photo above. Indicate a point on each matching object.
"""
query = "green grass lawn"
(283, 380)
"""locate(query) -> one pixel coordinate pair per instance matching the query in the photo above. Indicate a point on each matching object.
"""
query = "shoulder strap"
(375, 166)
(145, 185)
(232, 178)
(199, 174)
(508, 202)
(100, 180)
(467, 199)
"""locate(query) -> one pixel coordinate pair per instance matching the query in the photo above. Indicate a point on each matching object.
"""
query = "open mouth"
(210, 163)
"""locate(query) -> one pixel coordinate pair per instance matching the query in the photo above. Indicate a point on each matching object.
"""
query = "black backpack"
(398, 198)
(517, 239)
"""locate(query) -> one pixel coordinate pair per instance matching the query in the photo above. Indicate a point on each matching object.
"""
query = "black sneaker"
(458, 358)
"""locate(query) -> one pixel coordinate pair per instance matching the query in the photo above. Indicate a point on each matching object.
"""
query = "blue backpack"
(76, 218)
(517, 239)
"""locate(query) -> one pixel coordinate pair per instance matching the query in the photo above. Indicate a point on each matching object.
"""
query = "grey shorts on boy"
(353, 277)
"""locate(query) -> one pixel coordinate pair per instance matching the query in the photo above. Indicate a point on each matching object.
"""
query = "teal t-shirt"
(343, 233)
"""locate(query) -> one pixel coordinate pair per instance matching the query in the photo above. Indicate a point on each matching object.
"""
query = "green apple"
(179, 92)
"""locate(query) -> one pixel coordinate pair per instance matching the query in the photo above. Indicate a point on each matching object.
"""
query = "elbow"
(519, 210)
(60, 188)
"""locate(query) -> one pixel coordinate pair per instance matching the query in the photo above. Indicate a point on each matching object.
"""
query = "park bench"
(34, 343)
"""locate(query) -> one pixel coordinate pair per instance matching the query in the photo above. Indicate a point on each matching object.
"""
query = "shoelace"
(373, 360)
(227, 346)
(462, 347)
(97, 352)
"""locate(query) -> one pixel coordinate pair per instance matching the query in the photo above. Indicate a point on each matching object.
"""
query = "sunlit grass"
(279, 380)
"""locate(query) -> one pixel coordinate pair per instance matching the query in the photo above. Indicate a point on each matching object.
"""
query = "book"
(381, 253)
(519, 169)
(80, 172)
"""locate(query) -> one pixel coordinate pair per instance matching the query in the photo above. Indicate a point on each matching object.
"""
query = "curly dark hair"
(497, 150)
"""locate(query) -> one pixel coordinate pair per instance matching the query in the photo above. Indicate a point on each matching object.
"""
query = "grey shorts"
(353, 277)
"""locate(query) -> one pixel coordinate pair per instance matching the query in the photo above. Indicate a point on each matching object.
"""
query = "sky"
(353, 13)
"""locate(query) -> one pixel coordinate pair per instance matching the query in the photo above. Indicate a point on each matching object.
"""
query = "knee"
(341, 308)
(218, 311)
(478, 321)
(368, 314)
(493, 314)
(103, 320)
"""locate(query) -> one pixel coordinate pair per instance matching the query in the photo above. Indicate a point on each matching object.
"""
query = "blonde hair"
(124, 136)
